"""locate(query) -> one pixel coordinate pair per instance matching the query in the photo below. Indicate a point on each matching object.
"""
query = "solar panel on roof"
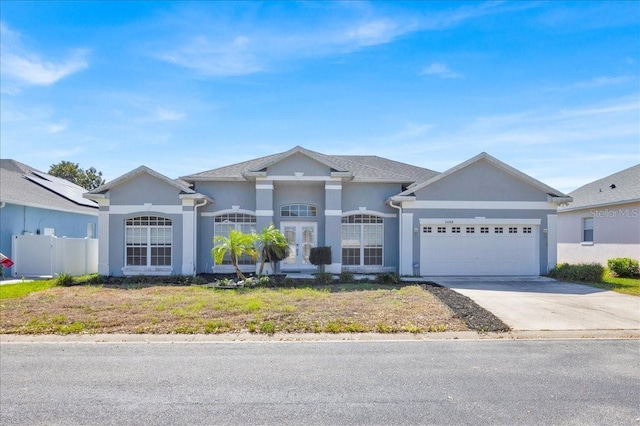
(71, 192)
(58, 180)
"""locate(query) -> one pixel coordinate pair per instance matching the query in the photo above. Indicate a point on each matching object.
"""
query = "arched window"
(242, 222)
(148, 241)
(362, 240)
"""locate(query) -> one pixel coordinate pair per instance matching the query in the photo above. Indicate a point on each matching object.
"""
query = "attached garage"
(479, 247)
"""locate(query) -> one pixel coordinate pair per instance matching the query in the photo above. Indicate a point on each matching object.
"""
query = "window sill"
(146, 270)
(586, 243)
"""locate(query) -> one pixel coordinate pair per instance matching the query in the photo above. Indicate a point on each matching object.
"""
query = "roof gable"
(493, 162)
(298, 150)
(101, 190)
(358, 168)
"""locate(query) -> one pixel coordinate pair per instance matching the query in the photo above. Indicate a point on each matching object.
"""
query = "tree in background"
(88, 179)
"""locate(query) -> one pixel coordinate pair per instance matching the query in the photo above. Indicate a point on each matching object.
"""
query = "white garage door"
(479, 247)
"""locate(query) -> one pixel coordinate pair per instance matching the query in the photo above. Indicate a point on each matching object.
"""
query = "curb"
(321, 337)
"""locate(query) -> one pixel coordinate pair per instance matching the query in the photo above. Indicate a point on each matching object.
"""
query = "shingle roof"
(18, 185)
(618, 188)
(363, 168)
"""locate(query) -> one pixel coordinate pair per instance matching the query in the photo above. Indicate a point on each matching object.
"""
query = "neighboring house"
(603, 221)
(33, 202)
(482, 217)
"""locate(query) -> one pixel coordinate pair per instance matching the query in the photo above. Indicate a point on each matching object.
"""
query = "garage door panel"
(487, 253)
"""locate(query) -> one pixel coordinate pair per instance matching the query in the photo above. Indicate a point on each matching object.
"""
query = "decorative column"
(188, 236)
(333, 223)
(264, 203)
(103, 237)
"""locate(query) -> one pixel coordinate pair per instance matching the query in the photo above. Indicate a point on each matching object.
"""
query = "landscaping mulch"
(475, 316)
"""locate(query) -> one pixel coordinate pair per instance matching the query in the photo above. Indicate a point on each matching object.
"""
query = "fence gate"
(47, 255)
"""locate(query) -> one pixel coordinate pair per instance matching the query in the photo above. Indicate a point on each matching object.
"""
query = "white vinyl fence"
(47, 255)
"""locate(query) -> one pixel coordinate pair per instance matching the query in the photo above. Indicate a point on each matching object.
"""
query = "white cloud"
(214, 58)
(165, 114)
(601, 81)
(441, 70)
(25, 67)
(207, 44)
(56, 127)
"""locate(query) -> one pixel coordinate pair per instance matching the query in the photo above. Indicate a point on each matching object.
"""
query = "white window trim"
(361, 266)
(132, 270)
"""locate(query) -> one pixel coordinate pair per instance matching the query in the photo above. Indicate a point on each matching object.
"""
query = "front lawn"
(12, 291)
(194, 309)
(629, 286)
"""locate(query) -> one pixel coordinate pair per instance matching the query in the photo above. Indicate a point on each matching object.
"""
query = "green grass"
(629, 286)
(13, 291)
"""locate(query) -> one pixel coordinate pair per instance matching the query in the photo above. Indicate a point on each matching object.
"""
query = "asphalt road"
(575, 382)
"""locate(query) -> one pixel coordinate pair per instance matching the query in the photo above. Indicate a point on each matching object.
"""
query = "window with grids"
(513, 230)
(526, 230)
(148, 241)
(362, 240)
(497, 230)
(242, 222)
(470, 230)
(455, 229)
(298, 210)
(484, 230)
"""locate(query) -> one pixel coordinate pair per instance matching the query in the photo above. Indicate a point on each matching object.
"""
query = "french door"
(301, 237)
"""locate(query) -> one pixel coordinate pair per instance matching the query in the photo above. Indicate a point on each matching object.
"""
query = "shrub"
(320, 256)
(624, 267)
(64, 280)
(587, 272)
(323, 278)
(264, 281)
(389, 278)
(347, 277)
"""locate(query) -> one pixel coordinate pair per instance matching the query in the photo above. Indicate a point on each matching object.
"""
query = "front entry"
(301, 237)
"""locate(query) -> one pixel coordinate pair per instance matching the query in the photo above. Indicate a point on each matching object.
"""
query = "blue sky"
(551, 88)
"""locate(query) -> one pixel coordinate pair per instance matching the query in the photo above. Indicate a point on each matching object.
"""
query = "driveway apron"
(539, 303)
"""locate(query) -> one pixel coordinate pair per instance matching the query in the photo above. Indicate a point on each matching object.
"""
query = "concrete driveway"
(539, 303)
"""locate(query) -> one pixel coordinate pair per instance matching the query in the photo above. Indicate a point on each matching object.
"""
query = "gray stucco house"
(603, 221)
(481, 217)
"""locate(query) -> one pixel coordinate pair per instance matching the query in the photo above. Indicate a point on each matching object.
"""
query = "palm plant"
(273, 246)
(236, 245)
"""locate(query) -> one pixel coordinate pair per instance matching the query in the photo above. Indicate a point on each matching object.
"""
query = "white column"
(103, 237)
(188, 235)
(406, 250)
(552, 241)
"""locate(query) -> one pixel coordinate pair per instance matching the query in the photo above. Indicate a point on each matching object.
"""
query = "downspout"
(399, 208)
(195, 234)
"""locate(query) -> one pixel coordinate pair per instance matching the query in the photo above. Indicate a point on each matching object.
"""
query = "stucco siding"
(481, 181)
(228, 194)
(616, 233)
(142, 189)
(369, 195)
